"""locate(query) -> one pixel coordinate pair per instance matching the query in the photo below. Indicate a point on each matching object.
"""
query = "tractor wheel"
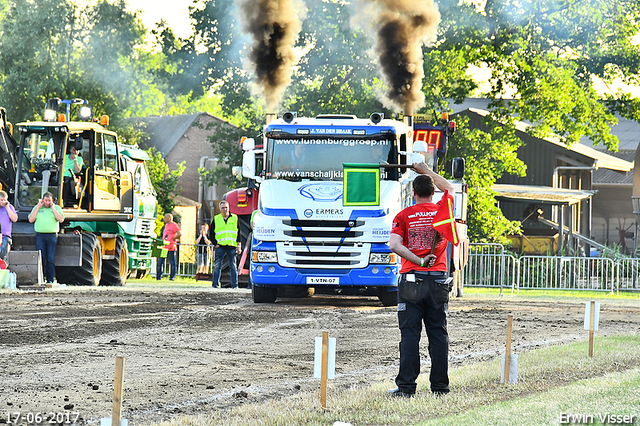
(114, 272)
(91, 269)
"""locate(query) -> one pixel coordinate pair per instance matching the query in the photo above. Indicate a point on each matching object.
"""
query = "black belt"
(433, 273)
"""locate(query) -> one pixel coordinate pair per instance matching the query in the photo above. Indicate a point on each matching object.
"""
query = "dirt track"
(193, 351)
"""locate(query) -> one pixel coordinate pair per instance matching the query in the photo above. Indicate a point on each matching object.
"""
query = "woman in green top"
(47, 217)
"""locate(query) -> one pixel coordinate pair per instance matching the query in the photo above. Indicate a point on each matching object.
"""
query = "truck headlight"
(264, 256)
(385, 258)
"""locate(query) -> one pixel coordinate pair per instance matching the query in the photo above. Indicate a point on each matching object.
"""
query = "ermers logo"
(329, 212)
(322, 191)
(308, 213)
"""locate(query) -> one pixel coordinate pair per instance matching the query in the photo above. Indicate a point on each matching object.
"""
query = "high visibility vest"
(226, 233)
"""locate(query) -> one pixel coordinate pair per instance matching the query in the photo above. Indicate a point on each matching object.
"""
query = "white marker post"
(116, 413)
(324, 366)
(591, 320)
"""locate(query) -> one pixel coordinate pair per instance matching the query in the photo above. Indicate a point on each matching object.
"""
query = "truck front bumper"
(270, 274)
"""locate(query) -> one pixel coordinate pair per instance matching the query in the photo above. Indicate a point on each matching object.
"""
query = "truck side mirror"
(248, 144)
(458, 168)
(249, 164)
(78, 143)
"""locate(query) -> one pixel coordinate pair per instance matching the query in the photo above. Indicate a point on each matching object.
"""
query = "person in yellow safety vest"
(224, 235)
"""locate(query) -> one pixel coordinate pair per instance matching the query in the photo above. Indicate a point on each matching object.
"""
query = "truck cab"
(304, 236)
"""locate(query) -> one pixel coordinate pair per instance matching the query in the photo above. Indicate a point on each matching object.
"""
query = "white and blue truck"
(304, 239)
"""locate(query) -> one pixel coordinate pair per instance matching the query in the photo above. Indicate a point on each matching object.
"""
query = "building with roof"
(613, 218)
(186, 138)
(581, 169)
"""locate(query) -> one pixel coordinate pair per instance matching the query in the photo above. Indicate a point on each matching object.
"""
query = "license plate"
(323, 280)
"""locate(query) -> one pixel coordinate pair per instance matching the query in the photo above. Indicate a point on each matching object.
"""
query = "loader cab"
(39, 154)
(45, 165)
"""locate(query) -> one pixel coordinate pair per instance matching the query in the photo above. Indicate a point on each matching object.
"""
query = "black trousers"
(423, 301)
(69, 192)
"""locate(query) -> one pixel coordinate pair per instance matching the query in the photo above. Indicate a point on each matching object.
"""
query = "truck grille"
(325, 244)
(144, 227)
(321, 230)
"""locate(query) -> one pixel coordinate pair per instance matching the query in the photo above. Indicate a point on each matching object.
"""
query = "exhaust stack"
(271, 116)
(408, 120)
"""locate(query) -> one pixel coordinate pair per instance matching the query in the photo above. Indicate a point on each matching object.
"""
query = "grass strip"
(590, 401)
(551, 381)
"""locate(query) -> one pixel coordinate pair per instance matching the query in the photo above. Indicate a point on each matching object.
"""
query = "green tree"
(488, 156)
(545, 55)
(225, 143)
(54, 49)
(165, 181)
(336, 74)
(210, 58)
(36, 55)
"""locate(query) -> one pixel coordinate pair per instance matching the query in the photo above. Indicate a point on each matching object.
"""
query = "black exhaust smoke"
(274, 26)
(404, 26)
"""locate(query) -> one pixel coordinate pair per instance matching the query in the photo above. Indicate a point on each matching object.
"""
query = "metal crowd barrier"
(187, 258)
(491, 266)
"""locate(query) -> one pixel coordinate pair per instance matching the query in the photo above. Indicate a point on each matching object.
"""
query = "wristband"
(421, 261)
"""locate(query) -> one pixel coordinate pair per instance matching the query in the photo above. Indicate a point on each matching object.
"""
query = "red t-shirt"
(413, 224)
(169, 234)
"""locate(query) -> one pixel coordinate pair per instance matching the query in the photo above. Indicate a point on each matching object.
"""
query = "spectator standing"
(47, 217)
(7, 217)
(225, 238)
(204, 246)
(423, 293)
(171, 234)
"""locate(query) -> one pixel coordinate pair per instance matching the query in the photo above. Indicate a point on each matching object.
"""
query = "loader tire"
(114, 272)
(91, 269)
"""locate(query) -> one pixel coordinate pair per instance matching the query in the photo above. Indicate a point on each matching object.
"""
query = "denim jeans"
(46, 245)
(220, 252)
(5, 247)
(171, 258)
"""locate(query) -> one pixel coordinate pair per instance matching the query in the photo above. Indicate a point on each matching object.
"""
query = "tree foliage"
(544, 58)
(488, 156)
(227, 149)
(55, 49)
(164, 180)
(545, 55)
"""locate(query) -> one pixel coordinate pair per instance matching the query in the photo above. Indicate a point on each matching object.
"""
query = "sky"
(175, 12)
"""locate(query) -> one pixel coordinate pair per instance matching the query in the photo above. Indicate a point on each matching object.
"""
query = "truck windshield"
(322, 158)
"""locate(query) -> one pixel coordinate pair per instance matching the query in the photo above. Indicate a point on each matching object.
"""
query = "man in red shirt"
(171, 234)
(423, 292)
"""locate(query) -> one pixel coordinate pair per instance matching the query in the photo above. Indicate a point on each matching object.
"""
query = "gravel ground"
(192, 351)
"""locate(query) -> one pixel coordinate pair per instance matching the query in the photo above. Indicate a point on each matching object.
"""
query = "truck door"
(106, 184)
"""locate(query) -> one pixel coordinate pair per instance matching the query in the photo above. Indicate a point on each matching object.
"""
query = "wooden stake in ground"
(507, 354)
(325, 369)
(592, 320)
(116, 413)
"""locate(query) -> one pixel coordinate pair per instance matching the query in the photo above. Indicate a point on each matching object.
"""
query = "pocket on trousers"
(409, 291)
(443, 288)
